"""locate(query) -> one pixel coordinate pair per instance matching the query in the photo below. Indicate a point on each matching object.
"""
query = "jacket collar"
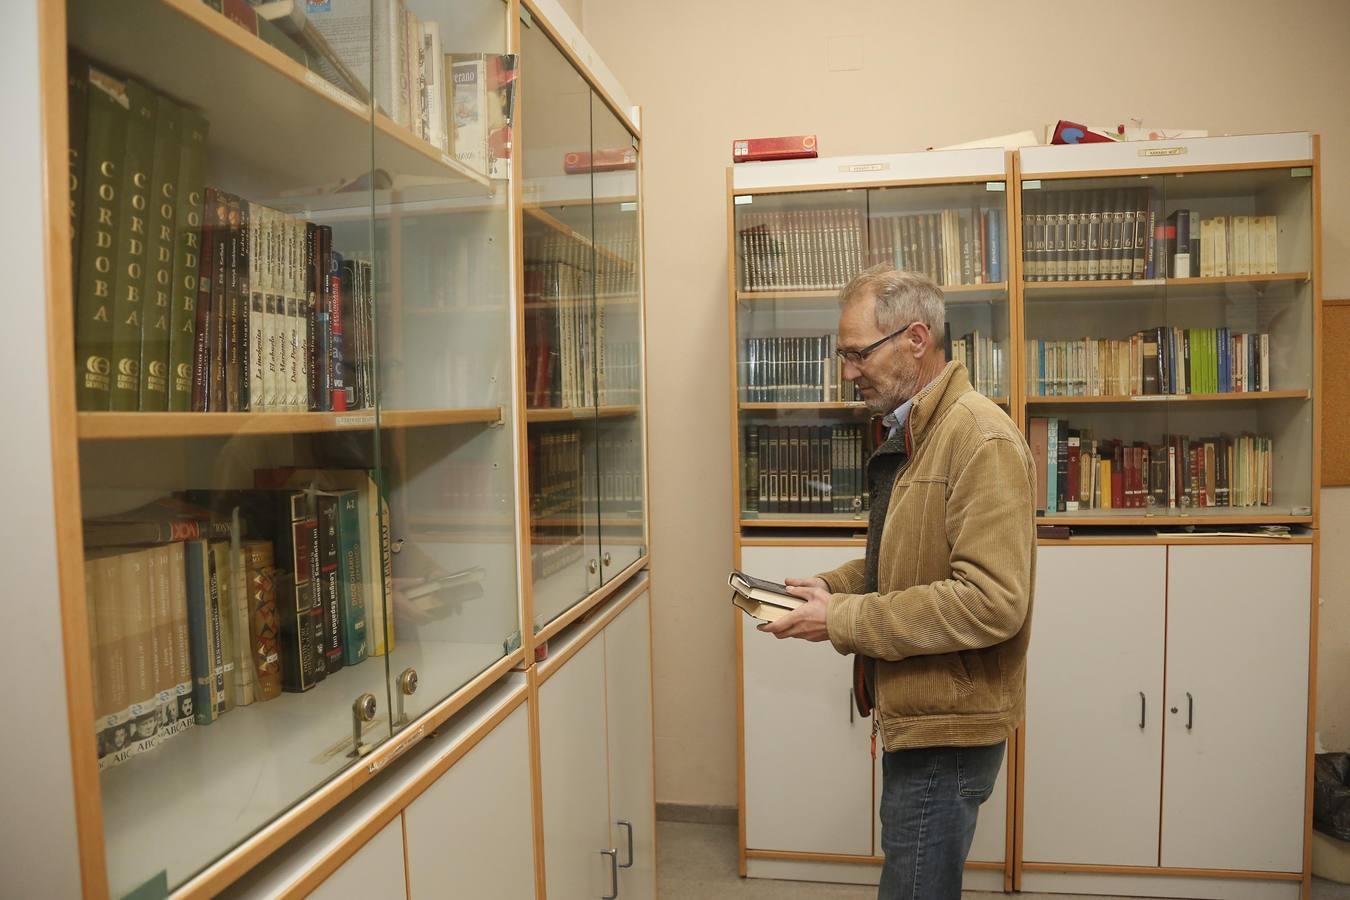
(933, 402)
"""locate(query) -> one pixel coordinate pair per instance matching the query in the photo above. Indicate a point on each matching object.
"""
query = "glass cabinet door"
(805, 434)
(558, 295)
(230, 447)
(618, 360)
(441, 245)
(1169, 344)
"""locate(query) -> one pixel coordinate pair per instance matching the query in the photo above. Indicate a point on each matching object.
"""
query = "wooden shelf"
(1241, 397)
(1036, 287)
(570, 414)
(820, 406)
(546, 218)
(1254, 515)
(803, 520)
(955, 293)
(316, 134)
(108, 426)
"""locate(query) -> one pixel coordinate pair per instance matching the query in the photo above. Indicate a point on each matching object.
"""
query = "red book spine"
(1117, 488)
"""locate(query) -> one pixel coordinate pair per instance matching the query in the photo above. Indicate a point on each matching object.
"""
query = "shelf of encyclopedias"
(1170, 325)
(582, 321)
(293, 341)
(798, 231)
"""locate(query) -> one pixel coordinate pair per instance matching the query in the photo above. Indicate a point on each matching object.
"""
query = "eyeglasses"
(858, 356)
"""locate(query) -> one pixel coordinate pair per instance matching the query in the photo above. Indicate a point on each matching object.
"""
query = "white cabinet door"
(376, 870)
(628, 700)
(1237, 678)
(799, 712)
(469, 834)
(1094, 706)
(575, 774)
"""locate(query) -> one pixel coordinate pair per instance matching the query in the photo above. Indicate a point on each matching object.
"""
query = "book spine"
(352, 579)
(157, 287)
(221, 255)
(138, 608)
(100, 217)
(329, 582)
(198, 568)
(224, 613)
(187, 258)
(263, 621)
(77, 124)
(181, 717)
(298, 603)
(107, 628)
(236, 289)
(337, 335)
(128, 304)
(259, 337)
(161, 636)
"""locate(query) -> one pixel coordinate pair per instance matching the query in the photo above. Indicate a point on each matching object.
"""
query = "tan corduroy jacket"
(950, 623)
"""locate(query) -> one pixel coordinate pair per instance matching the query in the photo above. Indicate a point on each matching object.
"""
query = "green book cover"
(201, 634)
(129, 279)
(157, 292)
(100, 216)
(193, 129)
(223, 618)
(77, 83)
(352, 578)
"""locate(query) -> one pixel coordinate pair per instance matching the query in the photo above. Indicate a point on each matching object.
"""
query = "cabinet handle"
(606, 558)
(1143, 709)
(1190, 711)
(593, 566)
(628, 827)
(613, 872)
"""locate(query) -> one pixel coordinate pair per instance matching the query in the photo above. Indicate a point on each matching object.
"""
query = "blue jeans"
(930, 799)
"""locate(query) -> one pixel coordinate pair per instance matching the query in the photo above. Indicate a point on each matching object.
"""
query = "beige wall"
(874, 77)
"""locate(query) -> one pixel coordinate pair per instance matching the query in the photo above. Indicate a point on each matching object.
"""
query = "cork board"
(1336, 393)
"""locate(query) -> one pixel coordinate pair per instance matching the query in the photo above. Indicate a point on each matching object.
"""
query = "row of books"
(459, 103)
(985, 360)
(556, 472)
(1092, 235)
(199, 607)
(1076, 471)
(954, 246)
(560, 336)
(794, 370)
(1221, 246)
(1154, 361)
(806, 468)
(801, 250)
(189, 298)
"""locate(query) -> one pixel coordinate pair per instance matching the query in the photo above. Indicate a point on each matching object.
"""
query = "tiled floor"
(698, 862)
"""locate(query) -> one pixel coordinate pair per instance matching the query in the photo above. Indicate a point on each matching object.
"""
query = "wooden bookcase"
(1232, 178)
(441, 456)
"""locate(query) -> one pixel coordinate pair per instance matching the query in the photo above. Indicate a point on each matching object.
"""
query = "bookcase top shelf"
(316, 134)
(1171, 518)
(136, 425)
(955, 293)
(546, 218)
(1038, 287)
(1228, 152)
(570, 414)
(1141, 399)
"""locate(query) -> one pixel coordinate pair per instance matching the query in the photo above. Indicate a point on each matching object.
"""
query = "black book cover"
(330, 593)
(1062, 468)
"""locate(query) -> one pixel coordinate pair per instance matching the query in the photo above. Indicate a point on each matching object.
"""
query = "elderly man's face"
(889, 375)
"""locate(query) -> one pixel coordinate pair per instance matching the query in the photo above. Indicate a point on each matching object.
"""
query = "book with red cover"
(797, 146)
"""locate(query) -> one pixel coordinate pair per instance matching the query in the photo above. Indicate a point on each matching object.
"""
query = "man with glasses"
(938, 612)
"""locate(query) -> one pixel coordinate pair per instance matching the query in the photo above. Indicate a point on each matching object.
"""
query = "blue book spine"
(995, 246)
(198, 560)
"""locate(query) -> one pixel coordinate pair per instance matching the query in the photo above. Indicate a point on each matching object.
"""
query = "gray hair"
(901, 298)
